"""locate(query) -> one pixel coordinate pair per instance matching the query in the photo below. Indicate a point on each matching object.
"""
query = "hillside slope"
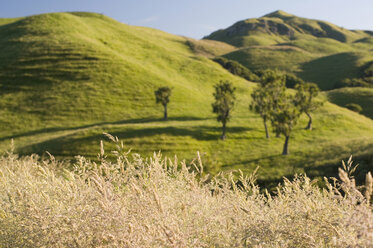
(70, 69)
(315, 50)
(278, 27)
(361, 96)
(66, 78)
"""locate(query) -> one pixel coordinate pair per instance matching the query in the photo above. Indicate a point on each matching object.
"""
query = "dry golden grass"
(155, 202)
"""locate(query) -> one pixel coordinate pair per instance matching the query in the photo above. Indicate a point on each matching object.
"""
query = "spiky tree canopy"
(305, 100)
(272, 76)
(261, 102)
(273, 83)
(269, 96)
(224, 100)
(162, 95)
(284, 120)
(305, 97)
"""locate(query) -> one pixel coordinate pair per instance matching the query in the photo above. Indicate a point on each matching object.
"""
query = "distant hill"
(66, 78)
(279, 27)
(315, 50)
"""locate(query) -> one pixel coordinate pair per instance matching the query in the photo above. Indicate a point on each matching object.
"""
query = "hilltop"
(66, 78)
(279, 27)
(315, 50)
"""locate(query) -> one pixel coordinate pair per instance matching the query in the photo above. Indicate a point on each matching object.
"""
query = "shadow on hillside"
(328, 70)
(131, 121)
(306, 165)
(201, 133)
(257, 160)
(69, 142)
(328, 170)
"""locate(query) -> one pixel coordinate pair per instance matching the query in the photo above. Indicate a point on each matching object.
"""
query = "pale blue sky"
(197, 18)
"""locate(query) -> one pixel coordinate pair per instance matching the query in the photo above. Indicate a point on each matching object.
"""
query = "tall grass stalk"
(161, 202)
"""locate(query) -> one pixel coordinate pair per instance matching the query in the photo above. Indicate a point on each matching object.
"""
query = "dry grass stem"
(155, 202)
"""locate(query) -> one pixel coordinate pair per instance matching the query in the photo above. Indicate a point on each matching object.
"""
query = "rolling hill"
(280, 26)
(315, 50)
(69, 69)
(66, 78)
(358, 95)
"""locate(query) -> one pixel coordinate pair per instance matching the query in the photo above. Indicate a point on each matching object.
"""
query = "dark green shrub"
(352, 82)
(365, 80)
(224, 102)
(292, 80)
(368, 71)
(237, 69)
(369, 81)
(162, 95)
(354, 107)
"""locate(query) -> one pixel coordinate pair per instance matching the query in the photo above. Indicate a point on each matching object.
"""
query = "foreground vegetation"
(160, 202)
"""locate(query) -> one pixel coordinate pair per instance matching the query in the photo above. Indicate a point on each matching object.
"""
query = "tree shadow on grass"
(256, 160)
(130, 121)
(200, 133)
(331, 69)
(328, 169)
(294, 163)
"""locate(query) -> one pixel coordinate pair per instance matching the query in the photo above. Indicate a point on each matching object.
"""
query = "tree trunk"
(223, 134)
(266, 128)
(165, 112)
(309, 126)
(285, 151)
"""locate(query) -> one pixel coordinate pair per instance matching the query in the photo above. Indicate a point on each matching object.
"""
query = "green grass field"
(66, 78)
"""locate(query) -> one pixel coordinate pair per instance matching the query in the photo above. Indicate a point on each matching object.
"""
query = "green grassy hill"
(66, 78)
(361, 96)
(73, 69)
(329, 70)
(315, 50)
(287, 58)
(279, 27)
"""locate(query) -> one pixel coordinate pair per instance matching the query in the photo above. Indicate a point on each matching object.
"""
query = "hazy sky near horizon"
(197, 18)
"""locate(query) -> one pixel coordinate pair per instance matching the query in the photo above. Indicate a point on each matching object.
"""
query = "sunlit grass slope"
(72, 69)
(325, 70)
(68, 77)
(286, 58)
(337, 134)
(209, 48)
(315, 50)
